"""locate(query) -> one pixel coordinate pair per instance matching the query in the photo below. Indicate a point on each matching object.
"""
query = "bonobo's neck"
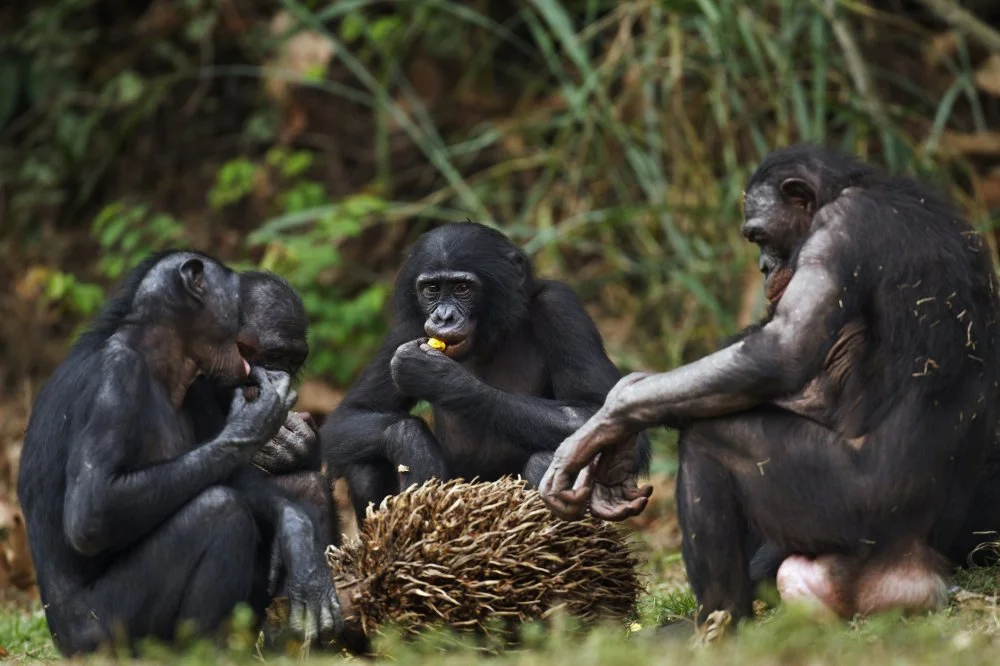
(166, 357)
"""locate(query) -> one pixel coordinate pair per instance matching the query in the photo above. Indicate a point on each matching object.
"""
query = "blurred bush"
(318, 138)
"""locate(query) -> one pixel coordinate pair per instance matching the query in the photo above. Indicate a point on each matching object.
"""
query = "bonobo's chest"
(166, 434)
(470, 444)
(517, 367)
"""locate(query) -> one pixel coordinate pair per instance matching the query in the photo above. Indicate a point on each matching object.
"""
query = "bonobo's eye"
(431, 289)
(462, 289)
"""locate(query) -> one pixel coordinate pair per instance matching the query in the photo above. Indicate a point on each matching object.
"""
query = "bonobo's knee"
(536, 467)
(412, 444)
(219, 504)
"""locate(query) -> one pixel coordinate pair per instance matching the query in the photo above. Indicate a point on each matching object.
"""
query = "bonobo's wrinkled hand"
(422, 372)
(293, 448)
(252, 423)
(578, 479)
(616, 496)
(299, 572)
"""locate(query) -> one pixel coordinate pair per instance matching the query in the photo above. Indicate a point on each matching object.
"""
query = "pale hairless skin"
(589, 467)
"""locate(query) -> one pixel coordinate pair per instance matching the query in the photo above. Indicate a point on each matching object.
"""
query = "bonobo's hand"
(251, 423)
(299, 571)
(616, 496)
(569, 483)
(422, 372)
(293, 449)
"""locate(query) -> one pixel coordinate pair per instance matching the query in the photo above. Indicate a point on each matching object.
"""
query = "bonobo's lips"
(458, 345)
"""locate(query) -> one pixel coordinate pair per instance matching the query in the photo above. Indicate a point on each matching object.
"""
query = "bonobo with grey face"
(844, 434)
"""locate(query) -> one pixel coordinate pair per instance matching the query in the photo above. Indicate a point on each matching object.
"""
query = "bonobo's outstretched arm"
(776, 360)
(109, 506)
(373, 423)
(580, 371)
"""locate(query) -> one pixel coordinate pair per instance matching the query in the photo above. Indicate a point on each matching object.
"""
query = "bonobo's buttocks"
(523, 366)
(131, 528)
(835, 444)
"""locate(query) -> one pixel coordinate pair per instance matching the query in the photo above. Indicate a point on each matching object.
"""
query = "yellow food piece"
(434, 343)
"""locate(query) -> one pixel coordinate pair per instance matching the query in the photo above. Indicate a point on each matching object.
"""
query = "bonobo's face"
(449, 299)
(273, 324)
(203, 302)
(777, 214)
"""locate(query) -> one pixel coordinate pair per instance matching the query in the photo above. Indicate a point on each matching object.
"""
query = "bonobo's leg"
(803, 490)
(535, 468)
(714, 533)
(313, 489)
(370, 483)
(981, 527)
(204, 560)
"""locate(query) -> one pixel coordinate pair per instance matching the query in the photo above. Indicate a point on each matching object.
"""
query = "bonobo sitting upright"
(524, 367)
(132, 529)
(846, 433)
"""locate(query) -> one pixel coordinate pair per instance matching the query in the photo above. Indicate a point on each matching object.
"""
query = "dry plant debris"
(481, 557)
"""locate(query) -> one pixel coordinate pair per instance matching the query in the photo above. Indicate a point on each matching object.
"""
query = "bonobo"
(132, 529)
(523, 368)
(847, 430)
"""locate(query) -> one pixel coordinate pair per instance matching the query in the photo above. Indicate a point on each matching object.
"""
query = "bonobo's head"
(467, 285)
(197, 299)
(781, 198)
(273, 323)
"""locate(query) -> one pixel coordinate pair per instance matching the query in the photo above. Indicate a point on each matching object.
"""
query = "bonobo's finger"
(290, 399)
(569, 504)
(616, 509)
(274, 568)
(282, 383)
(259, 376)
(332, 617)
(297, 616)
(307, 418)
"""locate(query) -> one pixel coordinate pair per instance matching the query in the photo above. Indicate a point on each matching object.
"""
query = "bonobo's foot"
(713, 629)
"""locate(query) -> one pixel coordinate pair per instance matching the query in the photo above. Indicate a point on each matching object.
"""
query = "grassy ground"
(966, 633)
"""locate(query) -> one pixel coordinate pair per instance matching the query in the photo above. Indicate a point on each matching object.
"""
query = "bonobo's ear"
(520, 262)
(798, 192)
(193, 278)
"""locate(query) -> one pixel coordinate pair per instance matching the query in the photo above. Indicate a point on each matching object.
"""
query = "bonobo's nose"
(443, 316)
(753, 229)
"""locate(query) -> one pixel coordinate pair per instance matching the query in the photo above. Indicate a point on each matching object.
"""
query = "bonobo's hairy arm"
(373, 422)
(109, 506)
(775, 360)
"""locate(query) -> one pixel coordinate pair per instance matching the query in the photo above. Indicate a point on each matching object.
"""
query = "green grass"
(966, 633)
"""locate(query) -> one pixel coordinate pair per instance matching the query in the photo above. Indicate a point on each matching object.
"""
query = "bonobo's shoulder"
(556, 294)
(120, 364)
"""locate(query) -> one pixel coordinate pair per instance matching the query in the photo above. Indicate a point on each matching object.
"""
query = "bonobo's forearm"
(718, 384)
(536, 424)
(104, 510)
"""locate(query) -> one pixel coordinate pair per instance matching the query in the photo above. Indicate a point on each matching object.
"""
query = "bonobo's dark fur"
(525, 367)
(855, 419)
(131, 530)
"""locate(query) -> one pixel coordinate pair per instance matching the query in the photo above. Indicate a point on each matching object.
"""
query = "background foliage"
(317, 138)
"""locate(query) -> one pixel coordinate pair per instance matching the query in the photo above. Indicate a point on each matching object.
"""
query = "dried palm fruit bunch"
(469, 555)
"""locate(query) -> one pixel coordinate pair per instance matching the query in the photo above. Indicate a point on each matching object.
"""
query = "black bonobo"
(134, 532)
(524, 367)
(845, 433)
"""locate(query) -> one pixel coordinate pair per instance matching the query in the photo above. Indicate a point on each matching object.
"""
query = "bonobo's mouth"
(458, 344)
